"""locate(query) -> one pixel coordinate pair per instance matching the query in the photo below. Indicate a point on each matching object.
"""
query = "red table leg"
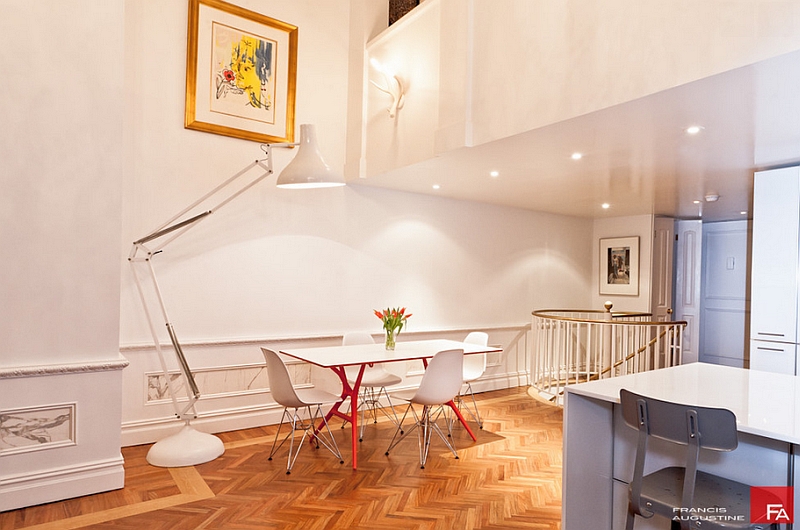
(352, 393)
(462, 420)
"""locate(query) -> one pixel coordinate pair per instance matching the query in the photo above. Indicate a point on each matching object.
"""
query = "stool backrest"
(713, 428)
(689, 425)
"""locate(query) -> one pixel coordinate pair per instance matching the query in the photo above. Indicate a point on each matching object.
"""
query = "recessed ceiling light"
(743, 212)
(693, 129)
(695, 202)
(712, 197)
(436, 186)
(577, 156)
(494, 174)
(605, 206)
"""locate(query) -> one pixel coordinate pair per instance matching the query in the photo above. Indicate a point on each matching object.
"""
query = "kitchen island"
(599, 447)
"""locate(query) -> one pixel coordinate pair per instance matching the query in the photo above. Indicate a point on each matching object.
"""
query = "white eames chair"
(311, 400)
(474, 366)
(373, 384)
(439, 386)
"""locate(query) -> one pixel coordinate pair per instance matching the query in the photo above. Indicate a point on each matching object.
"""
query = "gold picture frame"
(241, 73)
(619, 266)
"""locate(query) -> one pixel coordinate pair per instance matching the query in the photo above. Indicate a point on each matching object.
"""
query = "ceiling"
(637, 156)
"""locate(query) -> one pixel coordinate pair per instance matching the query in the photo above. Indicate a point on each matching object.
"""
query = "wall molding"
(311, 339)
(63, 369)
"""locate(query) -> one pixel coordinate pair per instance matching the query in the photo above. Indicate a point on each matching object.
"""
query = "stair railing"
(576, 346)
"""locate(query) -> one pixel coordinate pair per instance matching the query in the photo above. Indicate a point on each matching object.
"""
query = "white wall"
(61, 147)
(640, 226)
(281, 267)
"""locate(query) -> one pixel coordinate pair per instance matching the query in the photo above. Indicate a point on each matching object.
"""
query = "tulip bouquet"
(393, 322)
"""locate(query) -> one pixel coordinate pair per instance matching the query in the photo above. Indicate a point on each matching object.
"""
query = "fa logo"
(771, 504)
(776, 513)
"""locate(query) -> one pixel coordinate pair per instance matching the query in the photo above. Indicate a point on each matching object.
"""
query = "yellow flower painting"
(244, 77)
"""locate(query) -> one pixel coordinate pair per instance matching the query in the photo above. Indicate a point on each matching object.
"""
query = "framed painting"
(619, 266)
(241, 73)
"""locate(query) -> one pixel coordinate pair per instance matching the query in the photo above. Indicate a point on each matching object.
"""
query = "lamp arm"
(167, 230)
(177, 227)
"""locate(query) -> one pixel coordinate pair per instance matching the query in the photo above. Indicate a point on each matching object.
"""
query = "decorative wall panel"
(219, 382)
(37, 428)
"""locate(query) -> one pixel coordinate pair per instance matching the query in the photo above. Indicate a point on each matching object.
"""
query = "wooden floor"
(509, 478)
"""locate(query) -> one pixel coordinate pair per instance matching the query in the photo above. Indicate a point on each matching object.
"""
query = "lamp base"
(188, 447)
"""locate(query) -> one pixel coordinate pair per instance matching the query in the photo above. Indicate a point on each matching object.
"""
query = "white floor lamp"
(307, 170)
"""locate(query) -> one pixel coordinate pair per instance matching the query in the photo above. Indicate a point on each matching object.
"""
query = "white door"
(725, 308)
(688, 270)
(663, 243)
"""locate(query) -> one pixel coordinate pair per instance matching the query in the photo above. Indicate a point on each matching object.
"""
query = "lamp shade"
(308, 169)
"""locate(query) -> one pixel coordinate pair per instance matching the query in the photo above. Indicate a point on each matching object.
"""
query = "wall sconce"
(394, 87)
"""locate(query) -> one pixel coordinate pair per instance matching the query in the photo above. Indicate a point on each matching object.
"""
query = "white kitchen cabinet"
(777, 357)
(776, 217)
(774, 278)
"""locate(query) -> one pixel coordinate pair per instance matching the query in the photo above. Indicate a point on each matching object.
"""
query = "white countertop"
(765, 404)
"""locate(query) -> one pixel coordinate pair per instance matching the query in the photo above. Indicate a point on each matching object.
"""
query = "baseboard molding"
(152, 430)
(60, 483)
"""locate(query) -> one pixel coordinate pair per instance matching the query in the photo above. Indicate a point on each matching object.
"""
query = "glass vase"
(390, 339)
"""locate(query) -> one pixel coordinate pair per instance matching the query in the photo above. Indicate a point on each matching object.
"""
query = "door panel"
(663, 243)
(688, 268)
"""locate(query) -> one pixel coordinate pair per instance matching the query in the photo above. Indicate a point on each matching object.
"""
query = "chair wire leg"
(369, 407)
(292, 452)
(275, 444)
(374, 403)
(329, 443)
(426, 424)
(395, 439)
(297, 422)
(450, 417)
(473, 412)
(392, 414)
(362, 404)
(442, 410)
(424, 436)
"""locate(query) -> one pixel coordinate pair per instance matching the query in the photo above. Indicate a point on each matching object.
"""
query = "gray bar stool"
(684, 494)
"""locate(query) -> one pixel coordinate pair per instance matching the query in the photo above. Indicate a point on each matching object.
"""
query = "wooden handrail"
(639, 351)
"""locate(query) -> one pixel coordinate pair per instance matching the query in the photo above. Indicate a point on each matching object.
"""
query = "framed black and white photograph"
(619, 266)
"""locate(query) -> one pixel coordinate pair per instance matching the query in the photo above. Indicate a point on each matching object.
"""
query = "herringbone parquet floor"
(509, 478)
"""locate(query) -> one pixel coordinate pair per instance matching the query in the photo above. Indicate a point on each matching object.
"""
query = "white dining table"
(336, 358)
